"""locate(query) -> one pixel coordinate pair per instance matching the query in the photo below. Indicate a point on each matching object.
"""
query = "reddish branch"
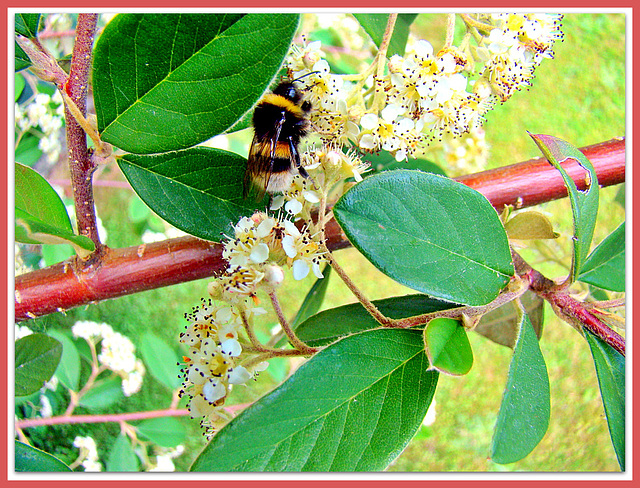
(123, 271)
(80, 164)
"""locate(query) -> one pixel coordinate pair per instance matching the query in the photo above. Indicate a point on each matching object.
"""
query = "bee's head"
(287, 90)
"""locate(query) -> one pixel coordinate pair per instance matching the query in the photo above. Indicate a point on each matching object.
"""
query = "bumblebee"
(280, 121)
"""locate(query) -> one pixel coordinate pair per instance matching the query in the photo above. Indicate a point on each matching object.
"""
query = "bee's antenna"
(306, 74)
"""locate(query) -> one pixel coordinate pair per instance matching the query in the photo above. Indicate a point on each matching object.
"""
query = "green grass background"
(580, 97)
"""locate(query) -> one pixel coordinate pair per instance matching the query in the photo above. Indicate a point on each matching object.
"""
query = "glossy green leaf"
(610, 368)
(103, 394)
(447, 346)
(503, 324)
(40, 214)
(314, 298)
(605, 266)
(68, 371)
(21, 60)
(164, 82)
(430, 233)
(376, 24)
(36, 359)
(18, 86)
(524, 413)
(584, 204)
(27, 150)
(330, 325)
(35, 196)
(198, 190)
(164, 431)
(27, 24)
(161, 360)
(122, 456)
(30, 459)
(353, 407)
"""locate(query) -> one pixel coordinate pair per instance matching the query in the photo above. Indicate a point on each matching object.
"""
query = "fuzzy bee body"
(280, 121)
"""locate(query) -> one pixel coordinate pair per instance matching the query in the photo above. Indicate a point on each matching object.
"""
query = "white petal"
(315, 267)
(300, 269)
(224, 315)
(391, 112)
(369, 121)
(239, 375)
(213, 392)
(423, 48)
(265, 227)
(294, 207)
(231, 347)
(367, 141)
(259, 253)
(291, 228)
(311, 196)
(289, 246)
(277, 202)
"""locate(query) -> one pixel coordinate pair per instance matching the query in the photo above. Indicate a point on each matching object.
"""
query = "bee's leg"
(296, 159)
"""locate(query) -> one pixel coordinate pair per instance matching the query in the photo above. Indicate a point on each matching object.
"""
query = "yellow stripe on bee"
(282, 150)
(285, 103)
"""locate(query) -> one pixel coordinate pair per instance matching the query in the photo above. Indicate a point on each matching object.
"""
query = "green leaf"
(165, 431)
(27, 151)
(330, 325)
(384, 161)
(610, 368)
(103, 394)
(353, 407)
(584, 204)
(198, 190)
(503, 324)
(37, 357)
(22, 61)
(30, 459)
(314, 298)
(68, 371)
(375, 25)
(161, 360)
(122, 456)
(605, 266)
(524, 413)
(27, 24)
(429, 233)
(169, 81)
(447, 346)
(40, 214)
(35, 196)
(18, 86)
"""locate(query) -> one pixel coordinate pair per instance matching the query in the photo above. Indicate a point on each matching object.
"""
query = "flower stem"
(284, 323)
(379, 62)
(364, 301)
(451, 27)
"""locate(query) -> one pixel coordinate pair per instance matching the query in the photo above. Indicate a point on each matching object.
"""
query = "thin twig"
(284, 323)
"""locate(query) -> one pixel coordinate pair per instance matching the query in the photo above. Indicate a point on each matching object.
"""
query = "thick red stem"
(123, 271)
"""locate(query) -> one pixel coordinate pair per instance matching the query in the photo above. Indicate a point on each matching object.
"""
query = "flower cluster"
(117, 353)
(88, 453)
(516, 47)
(326, 167)
(425, 95)
(212, 366)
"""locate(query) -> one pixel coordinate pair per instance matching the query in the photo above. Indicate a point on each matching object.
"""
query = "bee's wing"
(260, 161)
